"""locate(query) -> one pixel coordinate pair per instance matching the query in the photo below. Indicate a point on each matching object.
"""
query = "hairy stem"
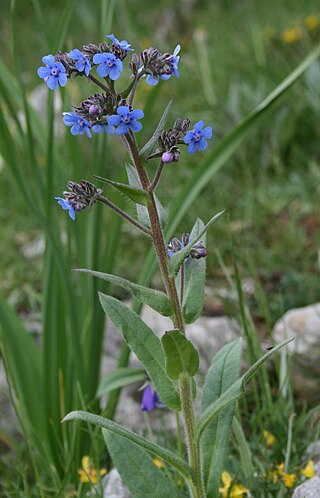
(124, 215)
(97, 82)
(197, 488)
(157, 177)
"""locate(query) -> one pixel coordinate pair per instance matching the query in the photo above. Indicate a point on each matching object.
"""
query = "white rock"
(113, 487)
(309, 489)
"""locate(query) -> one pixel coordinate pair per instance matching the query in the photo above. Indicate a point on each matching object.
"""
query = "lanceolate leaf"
(194, 280)
(178, 258)
(235, 391)
(181, 355)
(137, 469)
(142, 211)
(135, 194)
(153, 298)
(120, 377)
(23, 361)
(180, 465)
(148, 148)
(145, 344)
(222, 374)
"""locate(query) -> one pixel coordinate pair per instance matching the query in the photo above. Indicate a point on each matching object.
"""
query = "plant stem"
(157, 176)
(124, 215)
(97, 82)
(197, 489)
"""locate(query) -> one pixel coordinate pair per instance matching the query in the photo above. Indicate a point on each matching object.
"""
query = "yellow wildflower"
(308, 470)
(231, 490)
(158, 463)
(291, 35)
(288, 479)
(88, 473)
(269, 439)
(312, 22)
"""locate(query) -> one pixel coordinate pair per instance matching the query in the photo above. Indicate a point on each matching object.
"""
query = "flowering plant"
(172, 361)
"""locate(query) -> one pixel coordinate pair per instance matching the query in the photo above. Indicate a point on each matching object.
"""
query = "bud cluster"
(175, 245)
(83, 194)
(98, 106)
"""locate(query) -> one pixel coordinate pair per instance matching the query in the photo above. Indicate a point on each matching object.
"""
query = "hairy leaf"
(137, 469)
(181, 355)
(153, 298)
(148, 148)
(135, 194)
(194, 280)
(234, 392)
(222, 374)
(145, 344)
(178, 463)
(178, 258)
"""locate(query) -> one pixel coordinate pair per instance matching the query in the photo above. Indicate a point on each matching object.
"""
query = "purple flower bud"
(167, 157)
(93, 109)
(150, 400)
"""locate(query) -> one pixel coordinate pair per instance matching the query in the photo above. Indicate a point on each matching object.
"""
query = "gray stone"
(309, 489)
(304, 325)
(313, 450)
(113, 487)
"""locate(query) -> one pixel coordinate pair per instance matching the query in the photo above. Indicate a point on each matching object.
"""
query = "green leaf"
(234, 392)
(171, 458)
(120, 377)
(148, 148)
(137, 469)
(142, 211)
(135, 194)
(246, 464)
(23, 363)
(178, 258)
(194, 280)
(145, 344)
(153, 298)
(181, 355)
(222, 374)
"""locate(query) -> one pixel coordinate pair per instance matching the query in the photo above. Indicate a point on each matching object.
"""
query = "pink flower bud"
(167, 157)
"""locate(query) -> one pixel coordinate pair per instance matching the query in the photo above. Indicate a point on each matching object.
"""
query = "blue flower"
(123, 44)
(196, 138)
(53, 73)
(126, 120)
(67, 206)
(82, 63)
(79, 125)
(150, 400)
(109, 65)
(100, 128)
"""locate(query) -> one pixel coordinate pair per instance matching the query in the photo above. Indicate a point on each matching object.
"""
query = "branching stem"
(124, 215)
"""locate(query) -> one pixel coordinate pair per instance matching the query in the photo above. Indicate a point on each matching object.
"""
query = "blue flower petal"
(114, 120)
(63, 79)
(152, 80)
(75, 54)
(123, 110)
(207, 132)
(202, 144)
(43, 71)
(135, 125)
(198, 126)
(136, 114)
(188, 137)
(114, 73)
(122, 129)
(192, 147)
(48, 60)
(52, 82)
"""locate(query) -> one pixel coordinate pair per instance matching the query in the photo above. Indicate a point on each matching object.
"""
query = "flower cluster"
(81, 195)
(111, 111)
(159, 66)
(198, 250)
